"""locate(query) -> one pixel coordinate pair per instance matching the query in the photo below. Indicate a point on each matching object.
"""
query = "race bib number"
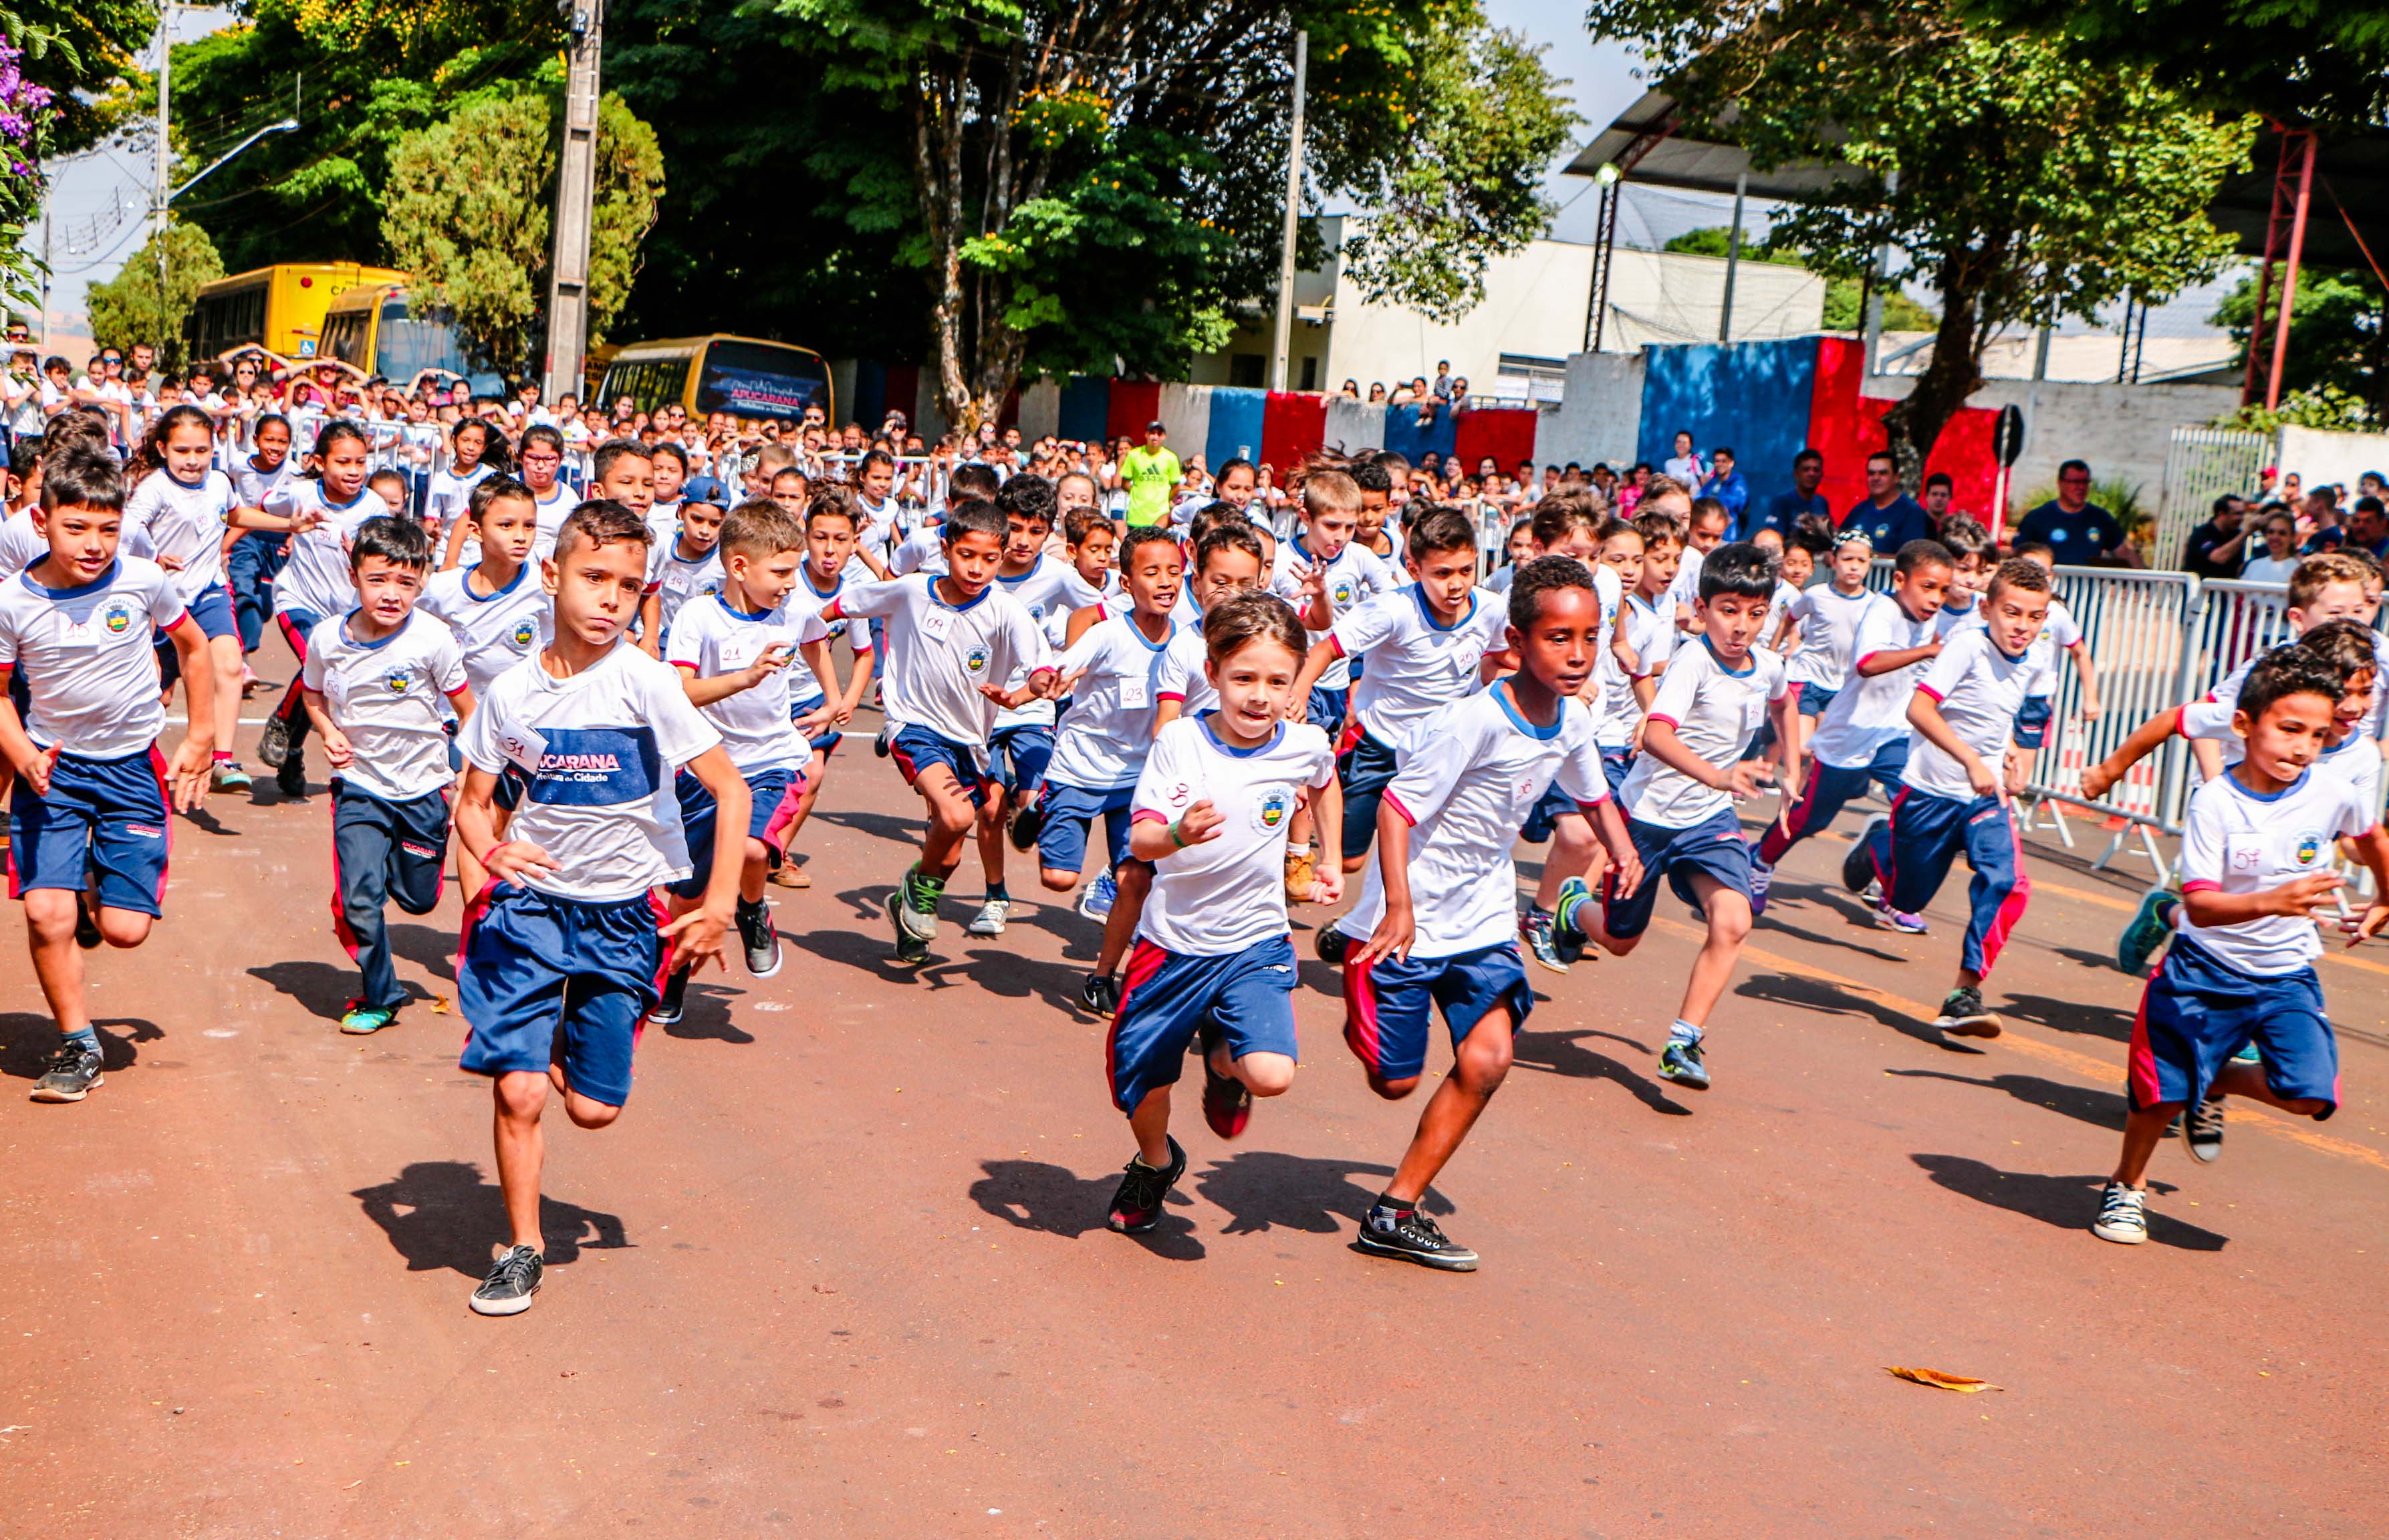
(939, 624)
(1754, 713)
(1135, 692)
(521, 745)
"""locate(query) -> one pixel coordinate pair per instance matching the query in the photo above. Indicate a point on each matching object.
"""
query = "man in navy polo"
(2078, 530)
(1889, 515)
(1782, 513)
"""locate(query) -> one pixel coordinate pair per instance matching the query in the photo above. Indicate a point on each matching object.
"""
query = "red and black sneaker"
(1227, 1101)
(1136, 1207)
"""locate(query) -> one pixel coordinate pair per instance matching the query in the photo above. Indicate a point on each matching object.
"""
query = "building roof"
(2351, 183)
(1649, 144)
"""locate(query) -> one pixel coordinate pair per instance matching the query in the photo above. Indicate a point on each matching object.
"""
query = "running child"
(2067, 634)
(949, 639)
(688, 568)
(563, 952)
(324, 513)
(469, 464)
(2255, 856)
(733, 650)
(378, 684)
(1977, 716)
(1862, 736)
(1825, 619)
(832, 529)
(539, 458)
(1434, 925)
(89, 811)
(1214, 956)
(1021, 743)
(1322, 573)
(253, 559)
(1426, 645)
(1973, 555)
(1679, 798)
(1706, 524)
(181, 510)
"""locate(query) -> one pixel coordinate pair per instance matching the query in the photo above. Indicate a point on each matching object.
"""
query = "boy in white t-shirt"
(1021, 742)
(2257, 855)
(90, 811)
(378, 684)
(2066, 632)
(563, 951)
(832, 528)
(1214, 961)
(1435, 925)
(1826, 618)
(687, 566)
(734, 649)
(951, 639)
(1977, 716)
(1679, 798)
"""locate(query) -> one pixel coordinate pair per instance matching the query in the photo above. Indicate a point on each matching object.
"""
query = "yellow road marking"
(2098, 1071)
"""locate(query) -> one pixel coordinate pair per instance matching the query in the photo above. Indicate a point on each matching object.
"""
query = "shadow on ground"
(442, 1215)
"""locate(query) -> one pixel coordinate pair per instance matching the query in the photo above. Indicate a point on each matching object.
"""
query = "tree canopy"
(2020, 186)
(148, 301)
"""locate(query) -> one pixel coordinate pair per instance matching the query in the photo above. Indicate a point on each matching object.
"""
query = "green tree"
(467, 212)
(1091, 184)
(150, 298)
(81, 54)
(2339, 335)
(2026, 187)
(1844, 297)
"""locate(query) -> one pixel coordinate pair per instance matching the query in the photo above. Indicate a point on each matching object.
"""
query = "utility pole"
(576, 190)
(162, 173)
(1281, 354)
(1732, 258)
(49, 217)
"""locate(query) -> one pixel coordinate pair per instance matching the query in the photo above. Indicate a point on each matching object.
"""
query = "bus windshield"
(757, 379)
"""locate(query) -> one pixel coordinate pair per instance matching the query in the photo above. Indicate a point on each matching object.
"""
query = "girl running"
(323, 512)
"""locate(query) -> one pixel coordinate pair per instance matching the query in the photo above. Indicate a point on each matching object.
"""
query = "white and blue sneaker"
(1095, 902)
(1762, 878)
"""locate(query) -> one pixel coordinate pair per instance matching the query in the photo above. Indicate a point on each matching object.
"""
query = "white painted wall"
(1535, 304)
(1600, 416)
(2320, 457)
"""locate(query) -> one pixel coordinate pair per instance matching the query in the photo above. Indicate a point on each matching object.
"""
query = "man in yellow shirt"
(1152, 473)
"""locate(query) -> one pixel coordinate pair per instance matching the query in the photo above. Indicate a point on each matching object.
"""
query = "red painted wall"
(1294, 423)
(1506, 433)
(1846, 428)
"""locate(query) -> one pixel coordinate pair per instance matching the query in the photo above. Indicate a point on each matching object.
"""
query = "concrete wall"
(1354, 426)
(1600, 416)
(2124, 430)
(1041, 409)
(1533, 305)
(2340, 458)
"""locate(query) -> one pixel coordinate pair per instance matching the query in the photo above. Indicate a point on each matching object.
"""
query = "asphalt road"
(840, 1268)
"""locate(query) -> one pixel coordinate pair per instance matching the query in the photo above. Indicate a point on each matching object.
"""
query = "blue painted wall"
(1235, 433)
(1752, 397)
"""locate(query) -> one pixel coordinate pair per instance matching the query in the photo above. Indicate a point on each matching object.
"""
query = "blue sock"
(83, 1036)
(1684, 1032)
(996, 890)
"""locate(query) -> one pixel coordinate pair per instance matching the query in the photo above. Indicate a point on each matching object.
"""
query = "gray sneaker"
(1962, 1013)
(71, 1074)
(989, 919)
(514, 1278)
(2201, 1129)
(759, 938)
(2123, 1215)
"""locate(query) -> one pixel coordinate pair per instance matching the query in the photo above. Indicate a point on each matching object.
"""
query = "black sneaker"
(1227, 1101)
(1027, 824)
(761, 938)
(1331, 944)
(2201, 1129)
(1858, 867)
(1962, 1014)
(1136, 1207)
(87, 934)
(71, 1074)
(886, 737)
(910, 949)
(1100, 993)
(674, 1004)
(514, 1278)
(1413, 1236)
(291, 779)
(274, 744)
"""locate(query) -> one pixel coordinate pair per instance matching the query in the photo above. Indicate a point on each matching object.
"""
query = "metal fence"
(2201, 466)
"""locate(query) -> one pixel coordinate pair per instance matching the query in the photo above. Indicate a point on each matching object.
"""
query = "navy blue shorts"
(213, 609)
(1814, 699)
(1327, 709)
(825, 741)
(1016, 755)
(1544, 816)
(1826, 791)
(1366, 768)
(103, 825)
(1615, 763)
(2198, 1010)
(1062, 839)
(1165, 996)
(765, 791)
(1713, 846)
(1385, 1002)
(915, 749)
(533, 966)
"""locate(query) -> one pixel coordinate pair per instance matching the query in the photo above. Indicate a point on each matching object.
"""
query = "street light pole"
(162, 175)
(1281, 355)
(576, 191)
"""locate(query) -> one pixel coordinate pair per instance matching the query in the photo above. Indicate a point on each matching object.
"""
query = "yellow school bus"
(280, 309)
(377, 328)
(743, 376)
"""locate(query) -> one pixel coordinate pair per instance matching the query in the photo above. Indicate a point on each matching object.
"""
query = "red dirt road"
(840, 1268)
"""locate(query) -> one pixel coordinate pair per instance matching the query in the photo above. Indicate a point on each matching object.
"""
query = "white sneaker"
(2123, 1215)
(989, 919)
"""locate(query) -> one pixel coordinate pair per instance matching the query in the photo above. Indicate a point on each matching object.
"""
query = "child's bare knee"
(1057, 882)
(586, 1114)
(521, 1097)
(1393, 1090)
(1267, 1074)
(124, 927)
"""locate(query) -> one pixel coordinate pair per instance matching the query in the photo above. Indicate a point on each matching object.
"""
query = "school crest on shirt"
(116, 618)
(975, 660)
(523, 632)
(2311, 846)
(1273, 808)
(394, 682)
(1343, 595)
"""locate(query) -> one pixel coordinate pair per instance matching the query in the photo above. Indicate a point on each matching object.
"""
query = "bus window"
(757, 379)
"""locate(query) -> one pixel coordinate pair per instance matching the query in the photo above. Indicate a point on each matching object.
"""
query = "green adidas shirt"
(1151, 474)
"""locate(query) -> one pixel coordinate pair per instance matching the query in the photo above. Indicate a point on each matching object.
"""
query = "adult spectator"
(1890, 517)
(1726, 485)
(1782, 513)
(1939, 492)
(1684, 466)
(2082, 533)
(2216, 546)
(2369, 530)
(2319, 517)
(2277, 557)
(1151, 473)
